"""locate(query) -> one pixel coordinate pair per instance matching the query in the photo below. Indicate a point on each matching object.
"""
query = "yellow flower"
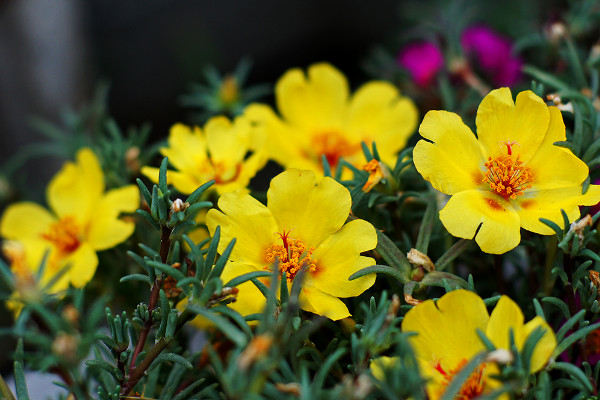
(509, 177)
(447, 339)
(220, 152)
(302, 225)
(83, 220)
(319, 117)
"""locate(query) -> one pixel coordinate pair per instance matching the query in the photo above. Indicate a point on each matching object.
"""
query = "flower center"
(223, 175)
(64, 234)
(293, 255)
(333, 146)
(471, 388)
(507, 175)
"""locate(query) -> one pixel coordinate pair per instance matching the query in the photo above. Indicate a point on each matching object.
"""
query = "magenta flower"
(493, 53)
(422, 60)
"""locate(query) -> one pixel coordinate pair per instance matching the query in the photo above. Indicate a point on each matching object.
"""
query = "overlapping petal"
(313, 101)
(495, 220)
(500, 119)
(24, 221)
(75, 189)
(318, 302)
(248, 221)
(452, 158)
(312, 211)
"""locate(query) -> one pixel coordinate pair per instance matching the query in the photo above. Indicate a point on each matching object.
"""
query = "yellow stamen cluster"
(508, 176)
(64, 234)
(293, 255)
(473, 386)
(333, 146)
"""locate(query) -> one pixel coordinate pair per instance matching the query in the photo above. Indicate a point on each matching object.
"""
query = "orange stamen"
(293, 255)
(64, 234)
(333, 146)
(471, 388)
(508, 176)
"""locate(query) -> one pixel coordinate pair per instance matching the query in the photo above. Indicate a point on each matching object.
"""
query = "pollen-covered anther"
(64, 234)
(507, 176)
(292, 254)
(473, 386)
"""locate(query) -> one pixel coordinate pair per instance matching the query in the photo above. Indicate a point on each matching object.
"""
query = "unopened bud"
(70, 314)
(132, 159)
(256, 350)
(178, 205)
(289, 388)
(500, 356)
(578, 227)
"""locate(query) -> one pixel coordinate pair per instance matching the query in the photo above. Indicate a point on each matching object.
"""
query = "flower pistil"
(293, 255)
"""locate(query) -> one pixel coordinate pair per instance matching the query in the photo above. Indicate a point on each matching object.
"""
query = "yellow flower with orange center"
(83, 219)
(220, 152)
(506, 178)
(302, 226)
(319, 118)
(446, 340)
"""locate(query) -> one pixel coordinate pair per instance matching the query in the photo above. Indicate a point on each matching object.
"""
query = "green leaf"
(238, 280)
(561, 305)
(378, 269)
(193, 198)
(135, 277)
(145, 192)
(170, 357)
(162, 176)
(427, 224)
(443, 279)
(226, 327)
(220, 264)
(574, 337)
(393, 256)
(148, 217)
(574, 372)
(101, 364)
(167, 269)
(452, 253)
(20, 383)
(554, 226)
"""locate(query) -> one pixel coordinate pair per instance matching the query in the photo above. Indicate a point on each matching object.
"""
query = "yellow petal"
(499, 120)
(227, 142)
(282, 143)
(106, 230)
(500, 225)
(454, 161)
(378, 113)
(547, 204)
(380, 364)
(505, 316)
(250, 222)
(318, 100)
(446, 330)
(249, 299)
(25, 220)
(553, 166)
(311, 211)
(187, 148)
(546, 345)
(338, 257)
(75, 189)
(82, 266)
(313, 300)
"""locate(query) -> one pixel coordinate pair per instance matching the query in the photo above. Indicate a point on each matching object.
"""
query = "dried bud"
(70, 314)
(377, 172)
(578, 227)
(132, 159)
(256, 350)
(411, 300)
(65, 346)
(179, 205)
(288, 388)
(595, 279)
(556, 31)
(500, 356)
(568, 107)
(419, 259)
